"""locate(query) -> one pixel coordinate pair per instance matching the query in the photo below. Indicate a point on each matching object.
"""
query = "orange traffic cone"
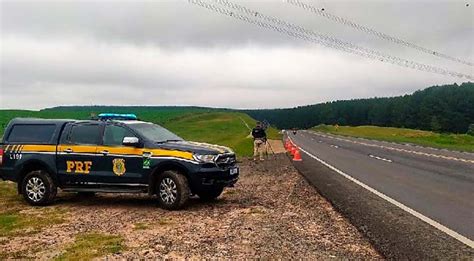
(288, 145)
(297, 156)
(293, 150)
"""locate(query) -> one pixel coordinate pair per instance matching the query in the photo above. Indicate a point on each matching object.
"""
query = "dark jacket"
(259, 133)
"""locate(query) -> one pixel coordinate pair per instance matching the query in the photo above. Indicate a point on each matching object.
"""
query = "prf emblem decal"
(119, 166)
(78, 167)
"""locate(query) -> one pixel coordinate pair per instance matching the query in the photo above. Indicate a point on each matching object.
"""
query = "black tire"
(172, 189)
(211, 193)
(86, 194)
(38, 188)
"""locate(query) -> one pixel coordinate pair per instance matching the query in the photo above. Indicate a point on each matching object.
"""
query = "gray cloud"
(174, 53)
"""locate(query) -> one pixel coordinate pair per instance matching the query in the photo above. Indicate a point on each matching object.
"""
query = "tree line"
(447, 108)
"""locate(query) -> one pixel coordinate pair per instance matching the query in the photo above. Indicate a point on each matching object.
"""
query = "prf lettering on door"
(80, 167)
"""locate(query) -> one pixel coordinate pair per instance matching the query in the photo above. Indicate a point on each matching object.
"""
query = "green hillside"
(216, 126)
(461, 142)
(225, 128)
(158, 115)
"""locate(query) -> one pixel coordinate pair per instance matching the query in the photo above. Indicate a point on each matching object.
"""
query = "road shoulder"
(272, 213)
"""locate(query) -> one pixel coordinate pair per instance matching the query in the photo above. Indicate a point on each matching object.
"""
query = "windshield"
(155, 132)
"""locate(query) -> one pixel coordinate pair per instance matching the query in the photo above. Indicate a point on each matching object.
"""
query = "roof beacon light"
(117, 116)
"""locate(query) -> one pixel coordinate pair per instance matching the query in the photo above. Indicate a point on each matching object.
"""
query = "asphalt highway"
(412, 187)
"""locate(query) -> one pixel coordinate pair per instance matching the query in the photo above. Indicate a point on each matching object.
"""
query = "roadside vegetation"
(92, 245)
(17, 218)
(223, 127)
(462, 142)
(158, 115)
(447, 108)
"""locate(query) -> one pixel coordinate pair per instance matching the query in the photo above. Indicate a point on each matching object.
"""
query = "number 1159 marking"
(15, 156)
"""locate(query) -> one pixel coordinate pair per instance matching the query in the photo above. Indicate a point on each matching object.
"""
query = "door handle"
(105, 152)
(68, 150)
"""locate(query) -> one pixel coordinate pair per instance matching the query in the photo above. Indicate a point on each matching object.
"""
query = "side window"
(85, 134)
(32, 133)
(113, 135)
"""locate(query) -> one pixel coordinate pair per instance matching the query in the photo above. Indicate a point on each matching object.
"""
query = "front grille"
(226, 160)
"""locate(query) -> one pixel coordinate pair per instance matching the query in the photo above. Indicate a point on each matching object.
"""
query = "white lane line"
(397, 149)
(417, 214)
(334, 146)
(380, 158)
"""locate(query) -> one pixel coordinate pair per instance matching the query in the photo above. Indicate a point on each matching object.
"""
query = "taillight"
(1, 156)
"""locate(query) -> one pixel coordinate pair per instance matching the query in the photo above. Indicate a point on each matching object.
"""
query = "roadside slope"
(461, 142)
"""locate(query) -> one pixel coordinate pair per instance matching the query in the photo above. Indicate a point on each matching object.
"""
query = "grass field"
(92, 245)
(225, 128)
(460, 142)
(158, 115)
(17, 218)
(197, 124)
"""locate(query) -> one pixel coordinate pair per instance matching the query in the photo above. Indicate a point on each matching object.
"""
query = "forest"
(446, 108)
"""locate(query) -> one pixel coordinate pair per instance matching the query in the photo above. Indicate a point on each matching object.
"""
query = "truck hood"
(195, 147)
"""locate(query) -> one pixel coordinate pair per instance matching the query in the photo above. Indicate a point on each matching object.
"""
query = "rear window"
(32, 133)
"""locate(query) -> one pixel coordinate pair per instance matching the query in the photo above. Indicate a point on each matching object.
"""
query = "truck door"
(120, 164)
(77, 158)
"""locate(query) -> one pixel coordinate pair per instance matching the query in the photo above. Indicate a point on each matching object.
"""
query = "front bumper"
(216, 176)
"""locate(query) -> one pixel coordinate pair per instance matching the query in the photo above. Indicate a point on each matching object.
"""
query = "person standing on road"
(259, 141)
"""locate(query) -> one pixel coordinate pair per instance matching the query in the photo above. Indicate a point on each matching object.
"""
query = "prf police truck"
(115, 153)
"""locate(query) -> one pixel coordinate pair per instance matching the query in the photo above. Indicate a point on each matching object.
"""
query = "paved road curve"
(439, 184)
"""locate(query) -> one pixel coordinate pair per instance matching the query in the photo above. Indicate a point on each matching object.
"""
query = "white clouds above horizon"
(63, 68)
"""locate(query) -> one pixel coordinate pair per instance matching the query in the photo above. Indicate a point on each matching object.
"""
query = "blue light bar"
(117, 116)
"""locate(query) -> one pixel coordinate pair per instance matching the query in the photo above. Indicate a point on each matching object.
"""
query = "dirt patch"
(276, 146)
(271, 213)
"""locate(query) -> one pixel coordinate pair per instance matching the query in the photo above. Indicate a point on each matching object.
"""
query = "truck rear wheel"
(210, 193)
(172, 189)
(38, 188)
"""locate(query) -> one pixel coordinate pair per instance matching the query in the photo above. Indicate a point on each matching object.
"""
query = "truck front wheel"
(38, 188)
(172, 189)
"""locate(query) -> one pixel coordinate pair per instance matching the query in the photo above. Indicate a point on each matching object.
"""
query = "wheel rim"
(35, 189)
(168, 191)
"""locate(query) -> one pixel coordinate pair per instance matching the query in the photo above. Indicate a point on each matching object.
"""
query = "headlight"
(205, 158)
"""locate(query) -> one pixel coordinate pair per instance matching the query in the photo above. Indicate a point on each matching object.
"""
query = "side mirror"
(131, 141)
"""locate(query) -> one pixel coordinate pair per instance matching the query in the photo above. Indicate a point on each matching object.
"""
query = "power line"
(346, 46)
(307, 35)
(371, 31)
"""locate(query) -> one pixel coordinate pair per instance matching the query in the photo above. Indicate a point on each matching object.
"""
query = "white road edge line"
(424, 218)
(380, 158)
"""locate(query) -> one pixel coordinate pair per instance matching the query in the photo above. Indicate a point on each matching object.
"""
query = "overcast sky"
(176, 53)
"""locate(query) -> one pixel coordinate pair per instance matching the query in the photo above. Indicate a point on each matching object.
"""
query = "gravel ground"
(271, 213)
